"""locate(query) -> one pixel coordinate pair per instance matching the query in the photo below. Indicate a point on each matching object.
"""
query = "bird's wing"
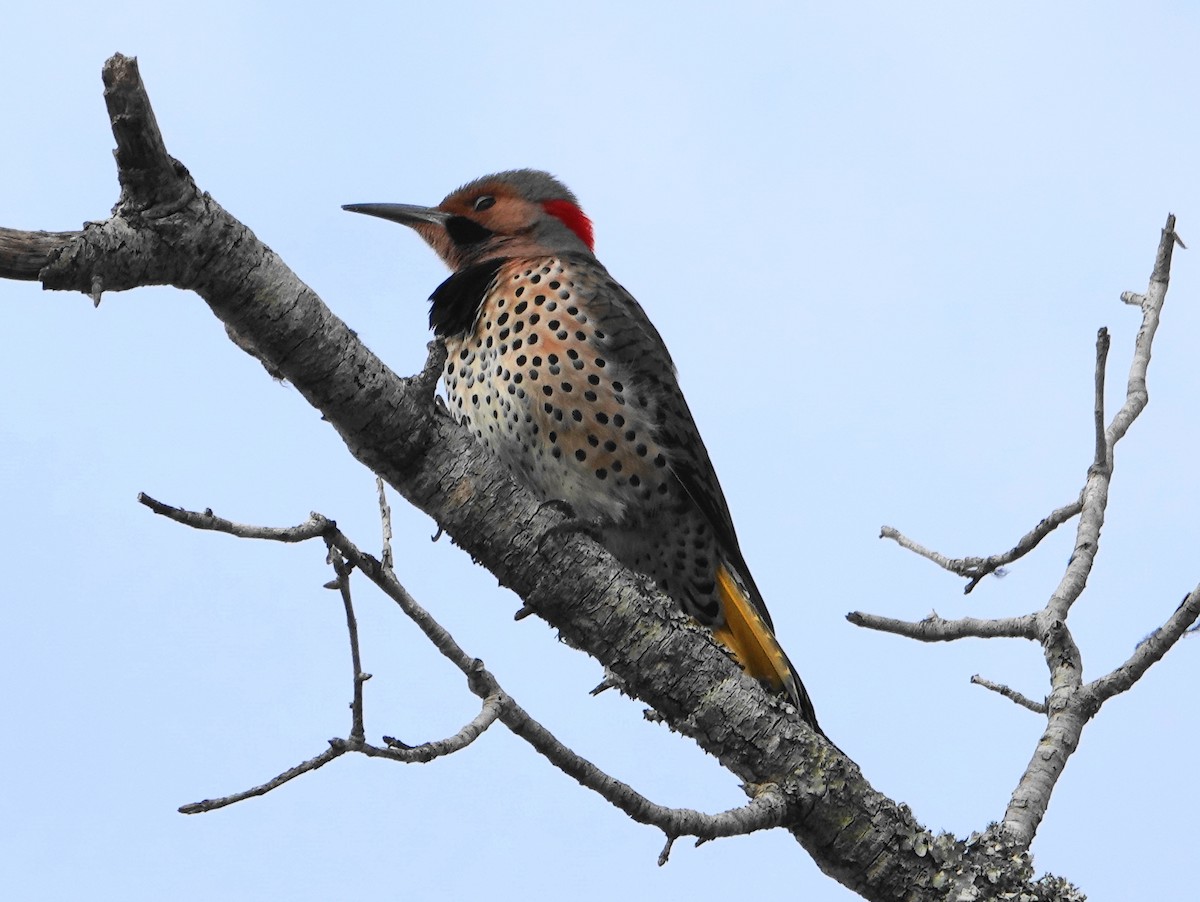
(635, 344)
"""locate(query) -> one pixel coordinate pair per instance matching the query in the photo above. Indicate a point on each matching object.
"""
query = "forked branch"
(766, 809)
(976, 569)
(1069, 704)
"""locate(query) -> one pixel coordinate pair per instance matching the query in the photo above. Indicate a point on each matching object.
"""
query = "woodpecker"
(557, 370)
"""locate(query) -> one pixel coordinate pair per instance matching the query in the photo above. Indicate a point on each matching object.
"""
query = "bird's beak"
(405, 214)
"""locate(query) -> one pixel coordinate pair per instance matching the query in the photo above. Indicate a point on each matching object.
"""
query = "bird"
(557, 370)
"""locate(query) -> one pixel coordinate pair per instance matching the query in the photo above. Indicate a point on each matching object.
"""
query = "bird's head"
(510, 214)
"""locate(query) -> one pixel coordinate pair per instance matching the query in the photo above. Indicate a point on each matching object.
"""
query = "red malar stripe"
(573, 218)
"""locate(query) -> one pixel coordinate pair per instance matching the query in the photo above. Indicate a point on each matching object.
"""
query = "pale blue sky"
(878, 239)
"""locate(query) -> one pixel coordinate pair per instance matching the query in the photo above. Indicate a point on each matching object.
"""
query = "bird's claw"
(558, 504)
(572, 523)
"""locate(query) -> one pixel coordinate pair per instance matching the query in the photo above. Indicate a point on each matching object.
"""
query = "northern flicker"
(557, 370)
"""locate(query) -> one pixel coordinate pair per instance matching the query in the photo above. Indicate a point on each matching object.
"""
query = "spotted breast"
(539, 381)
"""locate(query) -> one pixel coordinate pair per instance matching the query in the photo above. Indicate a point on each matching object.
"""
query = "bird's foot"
(572, 523)
(560, 505)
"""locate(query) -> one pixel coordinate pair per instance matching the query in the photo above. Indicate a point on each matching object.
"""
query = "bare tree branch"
(342, 584)
(1151, 303)
(318, 526)
(314, 527)
(274, 783)
(1010, 694)
(493, 704)
(1070, 704)
(1102, 345)
(23, 255)
(975, 569)
(766, 809)
(936, 629)
(385, 519)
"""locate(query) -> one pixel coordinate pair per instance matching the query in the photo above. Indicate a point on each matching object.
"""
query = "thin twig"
(1102, 345)
(975, 569)
(954, 566)
(1010, 694)
(342, 569)
(1133, 298)
(665, 855)
(1136, 395)
(290, 774)
(311, 528)
(385, 518)
(493, 704)
(934, 628)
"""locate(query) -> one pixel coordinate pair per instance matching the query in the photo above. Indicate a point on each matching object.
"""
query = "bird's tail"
(749, 636)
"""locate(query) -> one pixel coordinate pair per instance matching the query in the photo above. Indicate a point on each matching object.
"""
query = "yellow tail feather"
(747, 635)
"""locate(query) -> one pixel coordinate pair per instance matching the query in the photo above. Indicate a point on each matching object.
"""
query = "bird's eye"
(484, 203)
